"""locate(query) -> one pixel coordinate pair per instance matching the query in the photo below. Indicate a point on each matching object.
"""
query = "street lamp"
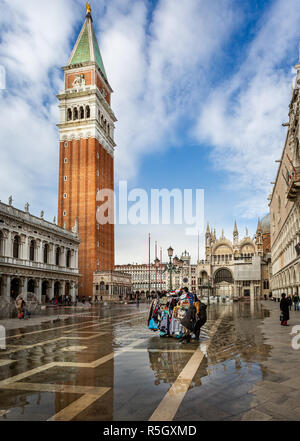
(170, 267)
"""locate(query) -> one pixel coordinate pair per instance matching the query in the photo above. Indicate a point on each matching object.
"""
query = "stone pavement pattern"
(106, 365)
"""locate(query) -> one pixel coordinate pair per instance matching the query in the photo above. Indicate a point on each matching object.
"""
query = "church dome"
(266, 224)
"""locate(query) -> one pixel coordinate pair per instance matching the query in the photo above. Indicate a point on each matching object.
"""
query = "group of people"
(178, 314)
(286, 304)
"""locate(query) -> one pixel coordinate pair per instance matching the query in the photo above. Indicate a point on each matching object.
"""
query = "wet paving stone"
(107, 366)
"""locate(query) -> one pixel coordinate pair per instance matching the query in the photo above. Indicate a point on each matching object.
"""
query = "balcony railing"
(294, 187)
(36, 265)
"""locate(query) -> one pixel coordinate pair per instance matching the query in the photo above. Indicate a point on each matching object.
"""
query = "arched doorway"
(56, 289)
(30, 286)
(223, 282)
(15, 288)
(45, 287)
(67, 290)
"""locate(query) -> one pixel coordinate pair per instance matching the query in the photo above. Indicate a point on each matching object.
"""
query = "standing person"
(284, 308)
(201, 317)
(20, 308)
(296, 302)
(290, 302)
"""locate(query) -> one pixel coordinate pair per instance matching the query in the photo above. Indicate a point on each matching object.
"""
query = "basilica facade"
(237, 267)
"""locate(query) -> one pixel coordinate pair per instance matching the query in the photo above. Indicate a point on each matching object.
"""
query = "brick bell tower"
(86, 160)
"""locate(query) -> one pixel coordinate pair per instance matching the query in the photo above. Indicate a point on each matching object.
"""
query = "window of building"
(65, 195)
(68, 259)
(66, 144)
(266, 284)
(46, 251)
(65, 178)
(31, 250)
(16, 247)
(65, 213)
(69, 114)
(65, 160)
(81, 112)
(88, 112)
(75, 114)
(57, 256)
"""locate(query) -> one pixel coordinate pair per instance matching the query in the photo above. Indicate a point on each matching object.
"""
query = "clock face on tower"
(185, 280)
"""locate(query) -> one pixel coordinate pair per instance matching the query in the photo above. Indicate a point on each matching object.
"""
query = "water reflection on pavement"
(108, 366)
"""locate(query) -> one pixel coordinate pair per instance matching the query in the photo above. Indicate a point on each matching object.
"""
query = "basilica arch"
(223, 282)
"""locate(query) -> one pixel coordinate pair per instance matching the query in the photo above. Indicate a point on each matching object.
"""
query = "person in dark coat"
(290, 302)
(201, 318)
(284, 308)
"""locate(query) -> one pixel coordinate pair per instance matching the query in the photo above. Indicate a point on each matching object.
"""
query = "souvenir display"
(177, 314)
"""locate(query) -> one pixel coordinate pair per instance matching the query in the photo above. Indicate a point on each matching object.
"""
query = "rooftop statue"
(88, 8)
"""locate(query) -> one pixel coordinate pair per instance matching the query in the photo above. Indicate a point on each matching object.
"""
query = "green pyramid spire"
(86, 48)
(83, 52)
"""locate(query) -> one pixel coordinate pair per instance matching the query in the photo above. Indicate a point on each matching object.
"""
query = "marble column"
(251, 290)
(23, 286)
(39, 251)
(38, 290)
(51, 254)
(7, 287)
(24, 249)
(72, 291)
(51, 289)
(62, 290)
(62, 260)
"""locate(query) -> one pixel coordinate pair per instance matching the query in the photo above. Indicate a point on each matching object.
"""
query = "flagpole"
(161, 268)
(149, 265)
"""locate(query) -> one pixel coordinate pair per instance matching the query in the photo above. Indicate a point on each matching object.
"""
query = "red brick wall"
(266, 243)
(80, 187)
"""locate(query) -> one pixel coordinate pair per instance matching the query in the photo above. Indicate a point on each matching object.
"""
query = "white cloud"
(159, 71)
(34, 43)
(242, 116)
(156, 69)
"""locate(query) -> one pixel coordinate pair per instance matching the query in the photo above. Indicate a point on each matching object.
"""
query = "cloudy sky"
(200, 92)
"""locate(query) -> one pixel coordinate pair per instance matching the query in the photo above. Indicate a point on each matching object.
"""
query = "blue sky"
(200, 92)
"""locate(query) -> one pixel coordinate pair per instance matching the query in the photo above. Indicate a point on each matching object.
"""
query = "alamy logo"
(2, 78)
(2, 337)
(296, 338)
(157, 206)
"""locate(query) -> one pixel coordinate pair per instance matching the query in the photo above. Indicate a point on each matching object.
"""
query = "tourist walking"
(296, 302)
(284, 308)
